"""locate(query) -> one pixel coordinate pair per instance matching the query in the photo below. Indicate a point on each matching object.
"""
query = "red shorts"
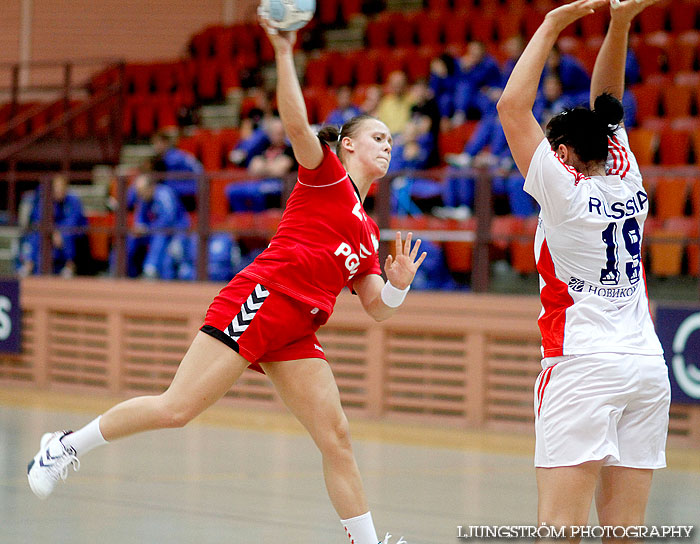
(263, 326)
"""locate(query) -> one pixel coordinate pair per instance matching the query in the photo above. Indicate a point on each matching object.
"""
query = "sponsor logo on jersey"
(581, 286)
(576, 284)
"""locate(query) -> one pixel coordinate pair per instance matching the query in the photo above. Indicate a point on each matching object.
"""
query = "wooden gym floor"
(245, 476)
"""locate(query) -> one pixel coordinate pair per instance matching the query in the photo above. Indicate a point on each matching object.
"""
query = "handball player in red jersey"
(267, 316)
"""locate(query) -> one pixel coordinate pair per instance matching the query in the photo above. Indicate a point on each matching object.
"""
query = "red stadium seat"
(165, 111)
(438, 5)
(683, 55)
(327, 11)
(144, 117)
(453, 140)
(419, 65)
(377, 33)
(402, 29)
(223, 40)
(674, 147)
(455, 25)
(367, 70)
(211, 156)
(595, 24)
(643, 143)
(683, 15)
(229, 76)
(653, 18)
(138, 78)
(349, 8)
(429, 29)
(648, 98)
(483, 28)
(522, 248)
(652, 53)
(677, 101)
(326, 102)
(202, 44)
(207, 79)
(508, 23)
(316, 74)
(670, 197)
(341, 68)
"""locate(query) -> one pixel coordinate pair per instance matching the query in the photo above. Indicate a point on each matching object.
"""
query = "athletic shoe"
(50, 464)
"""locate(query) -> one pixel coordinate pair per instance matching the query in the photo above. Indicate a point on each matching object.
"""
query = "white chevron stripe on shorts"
(247, 312)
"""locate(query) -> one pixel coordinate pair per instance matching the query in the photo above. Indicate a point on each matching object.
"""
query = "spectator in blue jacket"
(157, 210)
(69, 249)
(443, 80)
(171, 160)
(575, 81)
(345, 111)
(478, 72)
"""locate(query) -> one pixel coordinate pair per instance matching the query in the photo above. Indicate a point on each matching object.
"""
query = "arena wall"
(455, 360)
(135, 30)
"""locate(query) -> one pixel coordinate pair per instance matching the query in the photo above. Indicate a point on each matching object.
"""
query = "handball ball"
(287, 14)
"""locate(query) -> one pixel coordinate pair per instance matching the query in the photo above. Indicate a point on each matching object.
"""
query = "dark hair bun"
(329, 134)
(609, 109)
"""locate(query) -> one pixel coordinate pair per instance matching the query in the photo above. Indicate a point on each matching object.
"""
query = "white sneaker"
(50, 464)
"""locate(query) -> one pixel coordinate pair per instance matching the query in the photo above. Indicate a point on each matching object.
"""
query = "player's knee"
(174, 415)
(337, 437)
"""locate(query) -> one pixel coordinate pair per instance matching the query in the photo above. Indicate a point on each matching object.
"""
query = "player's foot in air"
(50, 464)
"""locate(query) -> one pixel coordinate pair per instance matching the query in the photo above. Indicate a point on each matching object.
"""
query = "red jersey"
(324, 241)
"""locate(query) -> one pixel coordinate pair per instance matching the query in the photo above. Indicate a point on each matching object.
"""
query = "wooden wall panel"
(462, 361)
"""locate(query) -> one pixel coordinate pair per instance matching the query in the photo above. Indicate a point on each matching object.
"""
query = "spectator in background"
(575, 81)
(273, 162)
(551, 99)
(157, 209)
(394, 108)
(513, 47)
(70, 251)
(487, 148)
(425, 113)
(345, 111)
(443, 80)
(370, 103)
(169, 159)
(254, 139)
(478, 72)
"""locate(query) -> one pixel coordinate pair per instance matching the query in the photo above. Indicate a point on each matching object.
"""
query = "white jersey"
(588, 253)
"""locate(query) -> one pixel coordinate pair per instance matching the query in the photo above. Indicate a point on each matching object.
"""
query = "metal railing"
(480, 238)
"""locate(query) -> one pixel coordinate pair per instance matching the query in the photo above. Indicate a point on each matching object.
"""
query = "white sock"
(360, 529)
(85, 439)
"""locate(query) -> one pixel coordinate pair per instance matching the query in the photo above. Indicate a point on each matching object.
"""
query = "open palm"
(627, 10)
(564, 15)
(400, 270)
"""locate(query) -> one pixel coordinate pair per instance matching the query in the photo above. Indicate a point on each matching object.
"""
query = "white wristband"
(393, 297)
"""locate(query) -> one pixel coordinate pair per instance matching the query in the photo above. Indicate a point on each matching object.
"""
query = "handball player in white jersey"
(267, 316)
(602, 399)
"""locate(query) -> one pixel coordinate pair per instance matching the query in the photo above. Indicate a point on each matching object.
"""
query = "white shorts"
(605, 406)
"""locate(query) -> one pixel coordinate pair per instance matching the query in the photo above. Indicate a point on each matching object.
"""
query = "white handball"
(287, 14)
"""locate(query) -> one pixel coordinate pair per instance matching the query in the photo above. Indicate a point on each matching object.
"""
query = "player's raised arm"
(609, 69)
(290, 100)
(522, 130)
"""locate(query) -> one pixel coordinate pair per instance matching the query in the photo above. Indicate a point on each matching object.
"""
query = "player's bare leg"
(308, 389)
(565, 495)
(621, 497)
(206, 373)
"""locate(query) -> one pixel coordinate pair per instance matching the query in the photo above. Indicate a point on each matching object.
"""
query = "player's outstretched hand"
(282, 41)
(626, 10)
(563, 16)
(400, 270)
